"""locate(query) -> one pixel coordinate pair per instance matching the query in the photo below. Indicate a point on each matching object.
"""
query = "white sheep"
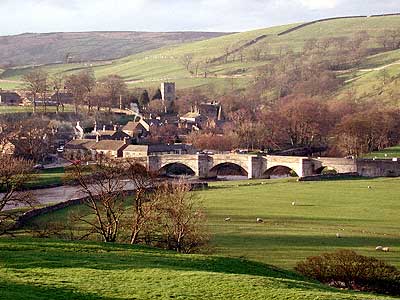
(259, 220)
(369, 187)
(294, 203)
(227, 219)
(338, 235)
(379, 248)
(385, 249)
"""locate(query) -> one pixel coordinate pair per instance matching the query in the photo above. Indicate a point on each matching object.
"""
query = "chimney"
(104, 128)
(115, 127)
(95, 126)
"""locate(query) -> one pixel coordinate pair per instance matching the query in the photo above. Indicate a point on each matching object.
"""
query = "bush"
(347, 269)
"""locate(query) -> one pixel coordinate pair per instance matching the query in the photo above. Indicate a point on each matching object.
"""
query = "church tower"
(168, 91)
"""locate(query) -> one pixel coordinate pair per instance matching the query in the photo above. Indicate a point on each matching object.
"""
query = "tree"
(36, 84)
(186, 60)
(115, 89)
(157, 95)
(106, 197)
(14, 174)
(181, 221)
(144, 99)
(143, 206)
(57, 83)
(80, 85)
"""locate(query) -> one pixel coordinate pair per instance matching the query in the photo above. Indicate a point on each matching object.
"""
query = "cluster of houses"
(136, 138)
(13, 98)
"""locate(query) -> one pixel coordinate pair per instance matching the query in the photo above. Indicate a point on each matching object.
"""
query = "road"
(59, 194)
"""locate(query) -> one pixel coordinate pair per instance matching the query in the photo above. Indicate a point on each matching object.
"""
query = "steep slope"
(65, 270)
(46, 48)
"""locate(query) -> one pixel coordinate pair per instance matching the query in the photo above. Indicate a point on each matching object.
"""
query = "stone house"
(79, 149)
(133, 151)
(9, 98)
(109, 148)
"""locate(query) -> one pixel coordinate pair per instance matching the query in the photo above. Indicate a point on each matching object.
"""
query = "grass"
(365, 218)
(388, 153)
(29, 109)
(48, 177)
(45, 269)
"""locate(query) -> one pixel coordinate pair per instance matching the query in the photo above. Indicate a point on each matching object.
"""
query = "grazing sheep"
(294, 203)
(338, 235)
(369, 187)
(379, 248)
(227, 219)
(259, 220)
(385, 249)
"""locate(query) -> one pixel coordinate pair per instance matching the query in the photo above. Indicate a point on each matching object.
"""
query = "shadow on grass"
(17, 291)
(44, 254)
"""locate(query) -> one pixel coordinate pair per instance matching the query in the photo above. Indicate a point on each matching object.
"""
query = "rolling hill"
(149, 68)
(46, 48)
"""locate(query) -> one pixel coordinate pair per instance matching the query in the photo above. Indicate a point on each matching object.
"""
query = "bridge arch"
(325, 170)
(227, 168)
(176, 168)
(280, 170)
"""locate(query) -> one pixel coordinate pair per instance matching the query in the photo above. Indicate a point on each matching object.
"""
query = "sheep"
(369, 187)
(259, 220)
(294, 203)
(227, 219)
(385, 249)
(338, 235)
(379, 248)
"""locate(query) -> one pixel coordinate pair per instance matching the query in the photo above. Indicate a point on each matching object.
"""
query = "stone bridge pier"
(254, 166)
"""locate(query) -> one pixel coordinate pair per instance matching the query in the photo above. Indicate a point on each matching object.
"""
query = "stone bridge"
(254, 166)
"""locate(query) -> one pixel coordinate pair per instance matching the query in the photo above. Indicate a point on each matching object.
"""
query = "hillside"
(47, 48)
(45, 269)
(230, 62)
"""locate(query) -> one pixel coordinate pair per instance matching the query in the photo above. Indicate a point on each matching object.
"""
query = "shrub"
(347, 269)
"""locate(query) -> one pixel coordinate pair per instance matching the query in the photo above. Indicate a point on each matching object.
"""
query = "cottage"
(9, 98)
(136, 129)
(133, 151)
(109, 148)
(79, 149)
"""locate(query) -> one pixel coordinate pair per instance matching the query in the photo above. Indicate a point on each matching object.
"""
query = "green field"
(29, 109)
(44, 269)
(388, 153)
(149, 68)
(365, 218)
(242, 250)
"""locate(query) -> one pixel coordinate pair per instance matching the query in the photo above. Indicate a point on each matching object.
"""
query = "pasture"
(48, 269)
(364, 218)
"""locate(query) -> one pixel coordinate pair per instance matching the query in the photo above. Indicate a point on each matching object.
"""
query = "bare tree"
(186, 60)
(36, 84)
(57, 83)
(114, 88)
(14, 174)
(81, 85)
(106, 197)
(181, 221)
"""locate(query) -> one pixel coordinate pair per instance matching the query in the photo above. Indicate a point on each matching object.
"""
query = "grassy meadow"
(48, 269)
(364, 218)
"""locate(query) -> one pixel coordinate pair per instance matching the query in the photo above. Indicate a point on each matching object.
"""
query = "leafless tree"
(80, 85)
(14, 174)
(186, 60)
(36, 84)
(106, 197)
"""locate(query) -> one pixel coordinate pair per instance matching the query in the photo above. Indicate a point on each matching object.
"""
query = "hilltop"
(57, 47)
